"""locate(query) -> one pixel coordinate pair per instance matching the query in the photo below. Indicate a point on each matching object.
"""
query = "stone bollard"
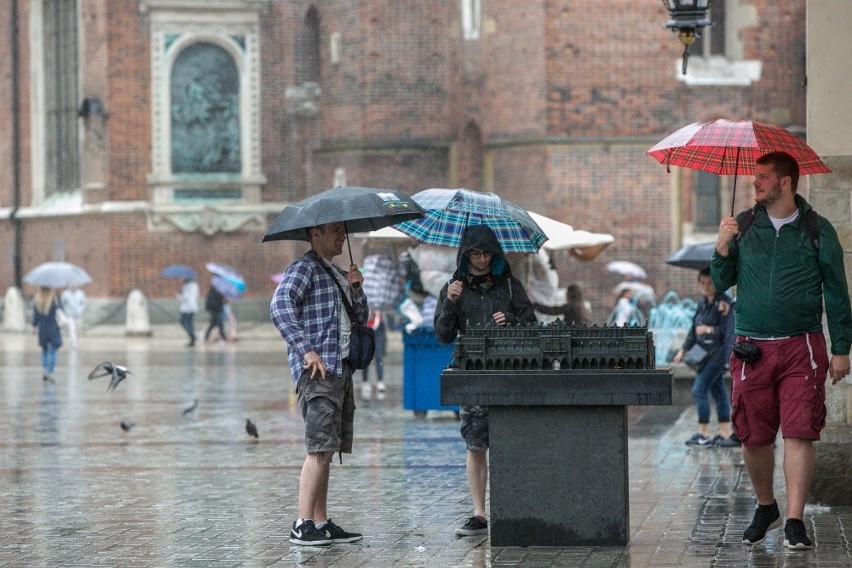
(138, 320)
(14, 310)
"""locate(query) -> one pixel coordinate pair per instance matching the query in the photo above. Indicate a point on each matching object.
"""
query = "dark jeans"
(187, 323)
(710, 380)
(217, 321)
(379, 355)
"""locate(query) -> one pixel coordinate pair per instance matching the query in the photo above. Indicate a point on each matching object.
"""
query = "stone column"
(829, 83)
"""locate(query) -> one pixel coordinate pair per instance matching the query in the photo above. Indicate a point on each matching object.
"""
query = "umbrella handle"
(736, 171)
(355, 285)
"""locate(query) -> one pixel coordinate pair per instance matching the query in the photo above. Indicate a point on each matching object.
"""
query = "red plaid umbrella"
(728, 147)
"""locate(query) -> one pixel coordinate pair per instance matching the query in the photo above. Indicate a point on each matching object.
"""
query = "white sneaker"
(380, 390)
(366, 391)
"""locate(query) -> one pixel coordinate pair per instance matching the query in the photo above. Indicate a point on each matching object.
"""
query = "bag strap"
(746, 223)
(810, 225)
(353, 318)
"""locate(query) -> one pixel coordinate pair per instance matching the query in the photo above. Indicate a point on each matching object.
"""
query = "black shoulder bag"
(362, 339)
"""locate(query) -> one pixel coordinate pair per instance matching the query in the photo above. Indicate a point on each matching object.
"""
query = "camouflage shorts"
(328, 408)
(474, 427)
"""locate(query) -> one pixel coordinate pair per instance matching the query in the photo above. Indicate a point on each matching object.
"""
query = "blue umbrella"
(450, 211)
(179, 271)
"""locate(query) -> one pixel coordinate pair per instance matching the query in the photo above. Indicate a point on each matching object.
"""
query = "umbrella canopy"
(583, 245)
(57, 275)
(728, 147)
(179, 271)
(387, 234)
(626, 268)
(227, 288)
(562, 236)
(696, 256)
(450, 211)
(227, 273)
(361, 209)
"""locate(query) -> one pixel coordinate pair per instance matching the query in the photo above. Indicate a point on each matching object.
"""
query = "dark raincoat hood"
(483, 238)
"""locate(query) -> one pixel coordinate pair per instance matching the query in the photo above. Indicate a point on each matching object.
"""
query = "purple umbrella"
(227, 288)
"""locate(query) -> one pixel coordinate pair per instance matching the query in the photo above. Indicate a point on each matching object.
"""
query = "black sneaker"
(473, 526)
(721, 442)
(307, 534)
(795, 535)
(699, 440)
(766, 518)
(337, 534)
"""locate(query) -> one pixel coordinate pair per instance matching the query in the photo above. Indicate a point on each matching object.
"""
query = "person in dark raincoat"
(45, 326)
(482, 291)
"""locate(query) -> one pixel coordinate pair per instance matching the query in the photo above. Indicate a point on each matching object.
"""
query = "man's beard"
(770, 196)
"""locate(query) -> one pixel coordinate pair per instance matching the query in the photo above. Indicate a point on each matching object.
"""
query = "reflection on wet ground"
(192, 491)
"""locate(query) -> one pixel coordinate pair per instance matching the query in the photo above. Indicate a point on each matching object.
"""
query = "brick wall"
(567, 97)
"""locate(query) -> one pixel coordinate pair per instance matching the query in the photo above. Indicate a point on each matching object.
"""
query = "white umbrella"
(562, 236)
(627, 268)
(386, 233)
(57, 275)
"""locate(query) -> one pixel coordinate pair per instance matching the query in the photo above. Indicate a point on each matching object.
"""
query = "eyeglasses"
(478, 253)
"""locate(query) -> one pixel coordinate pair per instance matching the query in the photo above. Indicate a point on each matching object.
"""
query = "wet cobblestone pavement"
(76, 490)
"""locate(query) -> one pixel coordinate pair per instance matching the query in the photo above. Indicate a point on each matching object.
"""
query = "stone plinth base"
(558, 450)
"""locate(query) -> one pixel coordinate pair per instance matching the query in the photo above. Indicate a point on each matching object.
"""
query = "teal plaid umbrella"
(450, 211)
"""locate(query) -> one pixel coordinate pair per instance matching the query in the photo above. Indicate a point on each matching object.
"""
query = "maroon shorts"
(785, 388)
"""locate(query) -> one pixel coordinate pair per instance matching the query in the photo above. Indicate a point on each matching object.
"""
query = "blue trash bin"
(424, 358)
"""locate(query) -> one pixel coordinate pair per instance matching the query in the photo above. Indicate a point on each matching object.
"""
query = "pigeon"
(106, 368)
(251, 429)
(127, 426)
(191, 408)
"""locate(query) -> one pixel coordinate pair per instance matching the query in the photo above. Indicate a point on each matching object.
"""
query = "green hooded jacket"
(781, 279)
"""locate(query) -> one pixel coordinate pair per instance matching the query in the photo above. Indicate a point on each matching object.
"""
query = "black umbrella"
(360, 209)
(695, 256)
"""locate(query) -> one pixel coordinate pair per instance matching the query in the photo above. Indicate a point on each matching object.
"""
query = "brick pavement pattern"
(75, 490)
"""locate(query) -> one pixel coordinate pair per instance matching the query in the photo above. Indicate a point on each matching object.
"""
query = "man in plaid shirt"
(309, 313)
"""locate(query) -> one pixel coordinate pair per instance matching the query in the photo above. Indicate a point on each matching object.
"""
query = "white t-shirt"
(778, 223)
(74, 302)
(344, 329)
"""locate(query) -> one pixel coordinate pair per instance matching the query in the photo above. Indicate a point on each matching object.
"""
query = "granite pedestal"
(558, 450)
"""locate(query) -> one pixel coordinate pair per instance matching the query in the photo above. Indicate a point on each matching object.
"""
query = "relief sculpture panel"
(205, 111)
